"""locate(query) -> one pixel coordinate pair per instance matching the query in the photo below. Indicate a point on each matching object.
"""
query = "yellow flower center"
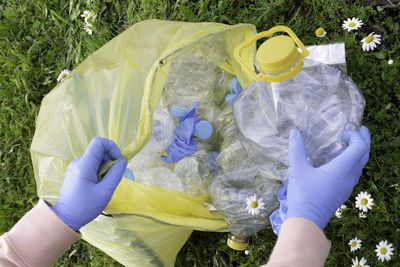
(319, 32)
(354, 244)
(369, 39)
(63, 75)
(383, 251)
(358, 265)
(364, 201)
(254, 204)
(86, 15)
(352, 24)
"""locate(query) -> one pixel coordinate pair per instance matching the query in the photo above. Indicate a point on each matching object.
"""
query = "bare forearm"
(300, 243)
(38, 239)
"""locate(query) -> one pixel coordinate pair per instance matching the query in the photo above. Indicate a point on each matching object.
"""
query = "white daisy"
(86, 15)
(246, 252)
(88, 28)
(390, 62)
(254, 206)
(364, 201)
(320, 32)
(352, 24)
(361, 263)
(369, 42)
(63, 75)
(339, 211)
(384, 251)
(362, 215)
(355, 244)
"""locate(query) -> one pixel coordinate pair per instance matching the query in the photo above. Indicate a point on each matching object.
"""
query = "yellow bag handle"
(262, 76)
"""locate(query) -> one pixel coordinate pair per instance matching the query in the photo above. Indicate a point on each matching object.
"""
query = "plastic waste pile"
(243, 158)
(184, 146)
(204, 118)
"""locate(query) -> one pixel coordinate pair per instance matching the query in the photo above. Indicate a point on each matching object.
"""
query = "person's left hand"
(82, 198)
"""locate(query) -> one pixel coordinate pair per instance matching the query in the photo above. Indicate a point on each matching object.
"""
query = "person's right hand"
(316, 193)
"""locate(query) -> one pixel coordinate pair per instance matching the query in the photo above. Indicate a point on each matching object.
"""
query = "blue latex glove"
(316, 193)
(81, 197)
(183, 144)
(279, 216)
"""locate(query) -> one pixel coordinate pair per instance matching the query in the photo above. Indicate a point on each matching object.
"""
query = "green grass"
(40, 38)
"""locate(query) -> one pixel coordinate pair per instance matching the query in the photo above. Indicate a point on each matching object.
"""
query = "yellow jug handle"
(248, 42)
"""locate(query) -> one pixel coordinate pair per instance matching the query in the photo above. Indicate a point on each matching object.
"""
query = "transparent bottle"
(232, 151)
(231, 192)
(317, 101)
(222, 83)
(190, 79)
(143, 163)
(288, 92)
(198, 170)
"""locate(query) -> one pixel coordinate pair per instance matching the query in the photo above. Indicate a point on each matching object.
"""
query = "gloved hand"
(81, 197)
(316, 193)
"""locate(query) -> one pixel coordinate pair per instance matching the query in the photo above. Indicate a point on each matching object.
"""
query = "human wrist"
(315, 219)
(61, 216)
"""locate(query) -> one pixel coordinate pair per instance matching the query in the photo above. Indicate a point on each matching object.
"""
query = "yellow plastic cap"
(277, 54)
(278, 57)
(237, 244)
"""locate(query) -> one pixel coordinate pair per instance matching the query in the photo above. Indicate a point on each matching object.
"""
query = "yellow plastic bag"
(112, 94)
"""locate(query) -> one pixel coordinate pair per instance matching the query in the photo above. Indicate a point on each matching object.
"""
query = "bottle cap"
(236, 243)
(230, 99)
(177, 110)
(203, 129)
(235, 86)
(277, 54)
(278, 58)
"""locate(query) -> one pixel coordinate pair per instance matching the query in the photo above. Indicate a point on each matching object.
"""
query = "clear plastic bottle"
(232, 151)
(223, 83)
(163, 130)
(230, 193)
(317, 101)
(148, 158)
(190, 79)
(198, 170)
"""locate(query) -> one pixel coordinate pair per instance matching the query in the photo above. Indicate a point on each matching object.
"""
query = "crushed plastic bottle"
(225, 81)
(232, 151)
(148, 158)
(230, 193)
(163, 130)
(288, 92)
(318, 101)
(190, 79)
(197, 171)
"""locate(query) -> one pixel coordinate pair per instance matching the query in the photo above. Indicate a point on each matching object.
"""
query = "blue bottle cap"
(178, 111)
(235, 86)
(230, 99)
(203, 129)
(128, 174)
